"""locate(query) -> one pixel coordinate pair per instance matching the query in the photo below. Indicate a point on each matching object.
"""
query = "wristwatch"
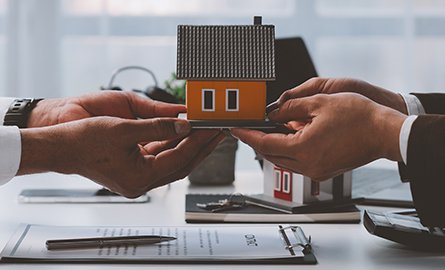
(18, 112)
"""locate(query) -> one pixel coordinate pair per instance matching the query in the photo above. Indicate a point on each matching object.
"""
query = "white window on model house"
(286, 182)
(208, 100)
(277, 185)
(232, 100)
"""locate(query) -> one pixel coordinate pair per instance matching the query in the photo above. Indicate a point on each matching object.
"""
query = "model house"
(226, 68)
(285, 187)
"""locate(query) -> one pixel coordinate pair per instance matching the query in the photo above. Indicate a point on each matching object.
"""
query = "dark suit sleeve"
(425, 168)
(433, 103)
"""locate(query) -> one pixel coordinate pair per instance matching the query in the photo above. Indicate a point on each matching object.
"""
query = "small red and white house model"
(282, 186)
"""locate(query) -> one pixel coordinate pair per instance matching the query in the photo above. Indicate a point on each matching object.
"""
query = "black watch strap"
(18, 112)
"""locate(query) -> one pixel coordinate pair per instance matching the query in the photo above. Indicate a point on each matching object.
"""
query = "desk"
(337, 246)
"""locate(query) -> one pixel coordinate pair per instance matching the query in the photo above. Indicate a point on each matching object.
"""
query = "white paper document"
(193, 242)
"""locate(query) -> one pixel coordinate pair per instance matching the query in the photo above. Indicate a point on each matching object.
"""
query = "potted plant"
(219, 167)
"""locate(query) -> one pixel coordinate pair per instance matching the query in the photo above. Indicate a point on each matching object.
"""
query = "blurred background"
(53, 48)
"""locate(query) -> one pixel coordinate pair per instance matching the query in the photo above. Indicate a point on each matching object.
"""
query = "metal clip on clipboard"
(302, 240)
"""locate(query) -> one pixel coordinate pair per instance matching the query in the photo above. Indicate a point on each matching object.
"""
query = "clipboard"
(26, 246)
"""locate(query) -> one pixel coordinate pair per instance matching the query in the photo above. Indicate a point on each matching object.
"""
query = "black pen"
(98, 242)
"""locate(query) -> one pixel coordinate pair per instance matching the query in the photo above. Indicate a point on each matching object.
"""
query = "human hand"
(331, 86)
(335, 133)
(129, 157)
(123, 104)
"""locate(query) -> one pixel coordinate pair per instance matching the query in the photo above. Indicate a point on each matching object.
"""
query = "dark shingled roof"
(226, 52)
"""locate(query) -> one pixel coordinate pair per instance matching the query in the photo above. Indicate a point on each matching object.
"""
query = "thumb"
(299, 109)
(310, 87)
(158, 129)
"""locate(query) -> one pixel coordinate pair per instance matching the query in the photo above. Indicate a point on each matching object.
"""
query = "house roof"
(226, 52)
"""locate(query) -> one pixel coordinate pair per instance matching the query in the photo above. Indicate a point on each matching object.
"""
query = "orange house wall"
(252, 100)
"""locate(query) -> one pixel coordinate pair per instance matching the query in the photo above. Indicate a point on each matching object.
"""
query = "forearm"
(41, 151)
(388, 123)
(387, 98)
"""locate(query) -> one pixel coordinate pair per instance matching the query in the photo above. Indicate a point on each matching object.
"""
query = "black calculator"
(404, 228)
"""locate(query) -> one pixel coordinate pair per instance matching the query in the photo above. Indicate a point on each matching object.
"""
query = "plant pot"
(219, 167)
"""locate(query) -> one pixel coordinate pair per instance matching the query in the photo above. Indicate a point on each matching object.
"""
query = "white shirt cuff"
(5, 103)
(404, 136)
(413, 105)
(10, 152)
(10, 145)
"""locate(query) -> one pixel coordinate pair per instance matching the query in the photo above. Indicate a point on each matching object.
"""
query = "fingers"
(301, 109)
(285, 163)
(165, 109)
(275, 144)
(156, 129)
(154, 148)
(296, 125)
(308, 88)
(194, 162)
(172, 160)
(326, 174)
(147, 108)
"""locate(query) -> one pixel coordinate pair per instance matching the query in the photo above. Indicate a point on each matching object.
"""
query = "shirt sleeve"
(404, 136)
(4, 106)
(413, 105)
(425, 168)
(10, 145)
(414, 108)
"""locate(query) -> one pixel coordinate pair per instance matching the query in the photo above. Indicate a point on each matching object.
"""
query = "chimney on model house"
(257, 20)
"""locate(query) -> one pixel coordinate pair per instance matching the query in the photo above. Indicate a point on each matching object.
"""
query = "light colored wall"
(396, 44)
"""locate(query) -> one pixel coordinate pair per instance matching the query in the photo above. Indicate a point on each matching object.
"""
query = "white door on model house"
(284, 185)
